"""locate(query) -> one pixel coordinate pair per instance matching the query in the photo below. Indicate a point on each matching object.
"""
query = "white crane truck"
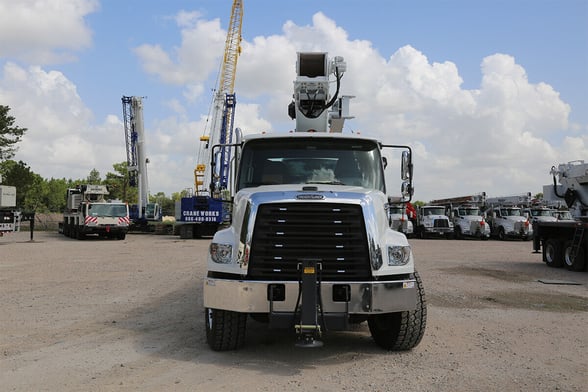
(506, 218)
(466, 216)
(309, 247)
(88, 211)
(431, 221)
(565, 243)
(398, 218)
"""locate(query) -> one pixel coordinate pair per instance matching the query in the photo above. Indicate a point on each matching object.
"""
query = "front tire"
(457, 232)
(225, 330)
(402, 330)
(501, 234)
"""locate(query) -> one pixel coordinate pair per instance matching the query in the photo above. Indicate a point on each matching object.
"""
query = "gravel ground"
(104, 315)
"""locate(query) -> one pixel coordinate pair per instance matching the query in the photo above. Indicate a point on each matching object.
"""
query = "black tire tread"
(228, 329)
(403, 330)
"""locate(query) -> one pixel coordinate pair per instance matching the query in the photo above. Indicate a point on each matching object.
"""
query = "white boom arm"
(313, 107)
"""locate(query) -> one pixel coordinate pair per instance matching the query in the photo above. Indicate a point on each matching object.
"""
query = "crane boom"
(223, 112)
(137, 160)
(135, 138)
(203, 212)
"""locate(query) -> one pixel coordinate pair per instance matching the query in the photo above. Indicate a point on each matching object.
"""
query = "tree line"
(35, 193)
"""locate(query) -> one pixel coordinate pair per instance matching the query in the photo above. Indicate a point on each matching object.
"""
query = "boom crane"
(143, 211)
(203, 212)
(221, 129)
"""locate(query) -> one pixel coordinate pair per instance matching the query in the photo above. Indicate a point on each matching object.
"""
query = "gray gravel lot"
(104, 315)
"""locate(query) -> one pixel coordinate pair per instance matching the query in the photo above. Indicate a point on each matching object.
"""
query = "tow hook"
(308, 331)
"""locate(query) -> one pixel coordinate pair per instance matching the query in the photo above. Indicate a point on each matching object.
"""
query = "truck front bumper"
(438, 230)
(366, 298)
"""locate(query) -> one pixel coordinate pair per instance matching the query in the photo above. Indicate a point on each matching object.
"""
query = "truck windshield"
(542, 212)
(469, 211)
(510, 212)
(106, 209)
(397, 210)
(434, 211)
(311, 161)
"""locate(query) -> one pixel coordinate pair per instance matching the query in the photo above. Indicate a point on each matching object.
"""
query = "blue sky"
(489, 94)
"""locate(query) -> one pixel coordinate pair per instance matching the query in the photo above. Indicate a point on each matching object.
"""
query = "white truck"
(540, 213)
(10, 218)
(565, 242)
(398, 218)
(88, 211)
(466, 216)
(309, 247)
(431, 221)
(506, 218)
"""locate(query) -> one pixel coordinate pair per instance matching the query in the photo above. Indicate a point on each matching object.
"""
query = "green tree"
(94, 178)
(55, 194)
(118, 183)
(19, 175)
(10, 134)
(167, 204)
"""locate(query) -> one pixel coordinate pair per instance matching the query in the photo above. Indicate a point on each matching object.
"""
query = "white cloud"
(44, 31)
(61, 138)
(202, 41)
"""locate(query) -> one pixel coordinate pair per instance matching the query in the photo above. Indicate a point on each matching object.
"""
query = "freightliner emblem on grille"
(310, 196)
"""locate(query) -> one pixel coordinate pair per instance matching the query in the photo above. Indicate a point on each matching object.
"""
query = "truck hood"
(372, 202)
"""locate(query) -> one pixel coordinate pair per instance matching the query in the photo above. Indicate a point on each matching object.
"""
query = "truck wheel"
(573, 264)
(225, 330)
(501, 234)
(458, 235)
(552, 253)
(121, 236)
(422, 235)
(402, 330)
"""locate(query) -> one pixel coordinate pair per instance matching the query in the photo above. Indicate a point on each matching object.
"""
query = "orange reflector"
(309, 270)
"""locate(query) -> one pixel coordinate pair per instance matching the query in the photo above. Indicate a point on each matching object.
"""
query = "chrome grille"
(286, 233)
(440, 223)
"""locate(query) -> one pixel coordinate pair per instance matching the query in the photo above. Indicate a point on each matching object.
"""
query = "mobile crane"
(565, 243)
(309, 247)
(204, 211)
(143, 212)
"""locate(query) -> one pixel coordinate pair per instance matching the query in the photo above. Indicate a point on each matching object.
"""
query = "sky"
(489, 94)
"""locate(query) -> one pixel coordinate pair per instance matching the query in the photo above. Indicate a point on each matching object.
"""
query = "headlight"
(221, 253)
(398, 255)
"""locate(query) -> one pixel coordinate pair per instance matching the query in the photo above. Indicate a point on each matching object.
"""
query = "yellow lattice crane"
(221, 128)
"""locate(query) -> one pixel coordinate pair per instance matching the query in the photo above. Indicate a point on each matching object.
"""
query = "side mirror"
(385, 162)
(406, 190)
(406, 166)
